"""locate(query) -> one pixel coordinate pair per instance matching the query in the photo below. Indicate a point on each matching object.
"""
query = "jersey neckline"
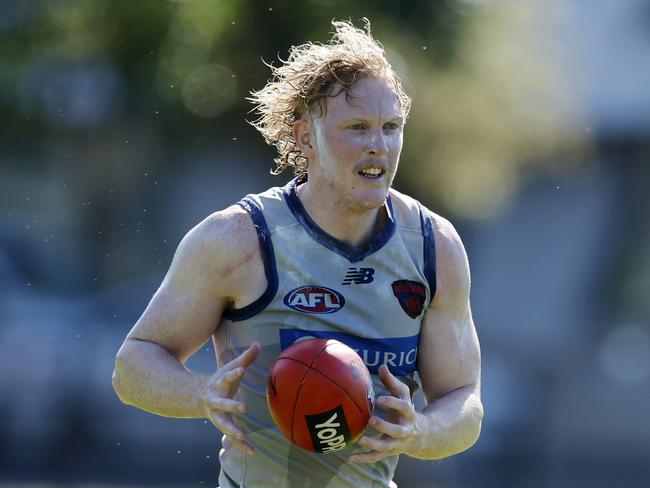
(352, 253)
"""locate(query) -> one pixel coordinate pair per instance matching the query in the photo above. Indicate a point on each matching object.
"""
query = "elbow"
(469, 428)
(475, 424)
(119, 380)
(116, 381)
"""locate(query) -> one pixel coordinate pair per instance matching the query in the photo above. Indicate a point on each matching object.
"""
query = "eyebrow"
(396, 118)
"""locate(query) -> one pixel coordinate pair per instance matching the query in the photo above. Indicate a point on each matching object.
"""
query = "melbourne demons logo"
(411, 295)
(314, 299)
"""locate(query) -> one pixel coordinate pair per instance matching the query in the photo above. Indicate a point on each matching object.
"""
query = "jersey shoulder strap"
(411, 215)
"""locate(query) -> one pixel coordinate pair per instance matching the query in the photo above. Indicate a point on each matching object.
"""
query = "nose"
(377, 144)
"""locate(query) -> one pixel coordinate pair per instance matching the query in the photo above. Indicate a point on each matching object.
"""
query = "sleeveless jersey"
(371, 297)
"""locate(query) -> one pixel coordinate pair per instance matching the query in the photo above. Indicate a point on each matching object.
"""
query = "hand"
(216, 400)
(400, 432)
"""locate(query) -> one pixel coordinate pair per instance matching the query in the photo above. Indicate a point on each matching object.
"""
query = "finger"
(405, 407)
(245, 359)
(383, 444)
(224, 423)
(232, 376)
(367, 457)
(243, 446)
(396, 431)
(222, 404)
(395, 386)
(229, 380)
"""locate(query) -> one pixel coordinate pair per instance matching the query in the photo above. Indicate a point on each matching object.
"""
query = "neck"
(354, 226)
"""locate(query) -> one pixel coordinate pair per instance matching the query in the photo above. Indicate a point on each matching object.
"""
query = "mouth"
(371, 172)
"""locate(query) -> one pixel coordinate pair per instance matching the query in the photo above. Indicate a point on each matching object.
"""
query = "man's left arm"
(449, 365)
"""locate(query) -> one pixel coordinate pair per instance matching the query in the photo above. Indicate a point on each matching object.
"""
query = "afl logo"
(314, 299)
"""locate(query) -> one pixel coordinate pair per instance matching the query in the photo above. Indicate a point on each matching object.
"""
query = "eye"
(357, 127)
(391, 126)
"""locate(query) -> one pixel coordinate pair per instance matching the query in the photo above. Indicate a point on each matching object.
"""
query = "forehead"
(368, 98)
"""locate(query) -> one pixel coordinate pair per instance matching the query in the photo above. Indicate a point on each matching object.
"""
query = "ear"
(303, 134)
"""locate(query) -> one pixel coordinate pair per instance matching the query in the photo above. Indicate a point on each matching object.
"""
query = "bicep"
(186, 309)
(180, 321)
(449, 355)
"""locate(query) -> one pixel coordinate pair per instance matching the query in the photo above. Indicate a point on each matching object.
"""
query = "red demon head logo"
(411, 295)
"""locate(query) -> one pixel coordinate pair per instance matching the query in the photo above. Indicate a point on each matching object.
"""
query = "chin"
(372, 201)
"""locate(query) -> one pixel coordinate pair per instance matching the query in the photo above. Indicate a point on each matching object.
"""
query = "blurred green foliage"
(489, 94)
(95, 94)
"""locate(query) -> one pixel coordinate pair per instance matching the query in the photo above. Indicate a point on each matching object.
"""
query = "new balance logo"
(358, 276)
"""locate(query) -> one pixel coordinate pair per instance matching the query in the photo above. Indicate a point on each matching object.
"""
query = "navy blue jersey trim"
(268, 256)
(429, 251)
(352, 253)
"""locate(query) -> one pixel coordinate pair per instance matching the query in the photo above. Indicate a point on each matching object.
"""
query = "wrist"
(418, 444)
(200, 392)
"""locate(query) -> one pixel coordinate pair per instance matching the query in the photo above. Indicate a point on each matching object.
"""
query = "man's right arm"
(181, 317)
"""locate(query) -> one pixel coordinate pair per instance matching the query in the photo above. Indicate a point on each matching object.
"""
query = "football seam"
(302, 382)
(338, 386)
(295, 401)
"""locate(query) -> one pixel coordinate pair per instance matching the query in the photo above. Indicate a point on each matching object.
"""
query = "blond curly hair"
(312, 73)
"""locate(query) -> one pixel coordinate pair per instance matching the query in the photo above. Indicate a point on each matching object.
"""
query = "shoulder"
(410, 210)
(226, 231)
(216, 246)
(407, 209)
(452, 266)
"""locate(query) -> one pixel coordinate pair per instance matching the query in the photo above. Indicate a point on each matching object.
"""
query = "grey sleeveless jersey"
(372, 298)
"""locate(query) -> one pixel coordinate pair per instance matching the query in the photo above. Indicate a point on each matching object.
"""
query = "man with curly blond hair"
(336, 253)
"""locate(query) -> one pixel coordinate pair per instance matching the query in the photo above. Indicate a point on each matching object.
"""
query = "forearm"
(448, 425)
(148, 377)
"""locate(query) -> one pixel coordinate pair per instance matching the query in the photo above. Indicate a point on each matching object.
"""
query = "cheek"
(342, 144)
(395, 145)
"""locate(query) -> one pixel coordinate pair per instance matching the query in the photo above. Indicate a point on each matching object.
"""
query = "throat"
(354, 227)
(355, 230)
